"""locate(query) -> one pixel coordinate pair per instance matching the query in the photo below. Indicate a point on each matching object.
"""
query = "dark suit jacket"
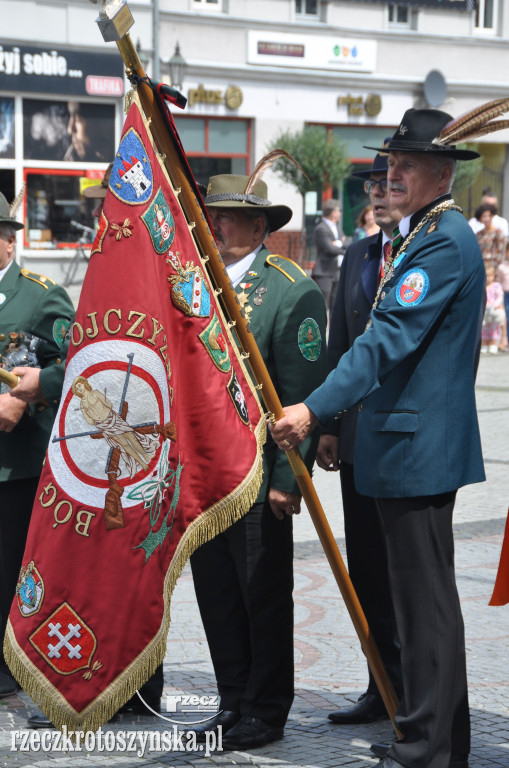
(358, 281)
(414, 369)
(326, 252)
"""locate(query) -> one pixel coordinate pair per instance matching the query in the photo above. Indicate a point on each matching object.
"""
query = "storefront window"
(352, 189)
(227, 137)
(192, 133)
(53, 203)
(215, 146)
(68, 131)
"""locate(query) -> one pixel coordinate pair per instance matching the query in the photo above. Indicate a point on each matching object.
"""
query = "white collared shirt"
(404, 226)
(333, 228)
(4, 271)
(238, 269)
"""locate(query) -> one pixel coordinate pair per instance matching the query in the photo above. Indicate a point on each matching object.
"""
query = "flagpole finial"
(114, 20)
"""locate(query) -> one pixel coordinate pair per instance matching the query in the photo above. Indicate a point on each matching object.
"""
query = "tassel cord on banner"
(197, 219)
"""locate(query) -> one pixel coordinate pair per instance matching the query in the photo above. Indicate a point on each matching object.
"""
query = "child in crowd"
(494, 316)
(503, 279)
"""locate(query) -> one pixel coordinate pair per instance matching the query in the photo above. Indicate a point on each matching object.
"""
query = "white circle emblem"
(126, 380)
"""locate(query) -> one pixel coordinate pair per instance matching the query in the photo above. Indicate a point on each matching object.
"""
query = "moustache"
(394, 185)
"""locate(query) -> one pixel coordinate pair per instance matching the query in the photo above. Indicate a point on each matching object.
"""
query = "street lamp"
(144, 59)
(178, 67)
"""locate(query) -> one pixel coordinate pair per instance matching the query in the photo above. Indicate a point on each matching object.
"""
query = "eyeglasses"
(370, 184)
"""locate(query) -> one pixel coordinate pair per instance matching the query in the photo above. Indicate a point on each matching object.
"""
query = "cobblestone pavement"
(330, 670)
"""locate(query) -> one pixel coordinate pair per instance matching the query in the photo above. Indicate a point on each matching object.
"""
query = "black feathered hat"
(419, 131)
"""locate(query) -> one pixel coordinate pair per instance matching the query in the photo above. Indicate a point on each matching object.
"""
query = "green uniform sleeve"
(52, 315)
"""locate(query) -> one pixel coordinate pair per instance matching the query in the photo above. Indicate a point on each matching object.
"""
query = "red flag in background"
(155, 449)
(500, 594)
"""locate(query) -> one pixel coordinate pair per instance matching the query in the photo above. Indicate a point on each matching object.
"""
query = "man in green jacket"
(29, 304)
(244, 577)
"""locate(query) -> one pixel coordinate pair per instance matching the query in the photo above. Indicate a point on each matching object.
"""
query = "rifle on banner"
(114, 21)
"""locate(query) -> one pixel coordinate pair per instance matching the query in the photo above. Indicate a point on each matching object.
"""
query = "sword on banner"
(114, 21)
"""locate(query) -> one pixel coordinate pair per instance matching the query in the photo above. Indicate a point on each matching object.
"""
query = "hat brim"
(277, 215)
(427, 148)
(366, 174)
(97, 192)
(13, 223)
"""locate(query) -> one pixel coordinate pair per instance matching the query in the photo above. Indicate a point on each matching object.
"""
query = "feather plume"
(265, 163)
(17, 202)
(495, 125)
(467, 127)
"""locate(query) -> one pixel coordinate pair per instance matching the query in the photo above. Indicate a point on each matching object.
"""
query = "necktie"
(387, 256)
(397, 239)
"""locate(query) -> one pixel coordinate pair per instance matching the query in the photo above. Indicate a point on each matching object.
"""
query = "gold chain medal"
(448, 205)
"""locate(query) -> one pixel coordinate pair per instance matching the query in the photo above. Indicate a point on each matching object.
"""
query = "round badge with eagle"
(412, 287)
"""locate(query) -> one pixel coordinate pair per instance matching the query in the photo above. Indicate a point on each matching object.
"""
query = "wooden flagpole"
(114, 24)
(6, 377)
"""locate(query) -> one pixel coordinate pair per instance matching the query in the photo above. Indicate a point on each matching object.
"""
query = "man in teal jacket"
(29, 303)
(417, 438)
(244, 577)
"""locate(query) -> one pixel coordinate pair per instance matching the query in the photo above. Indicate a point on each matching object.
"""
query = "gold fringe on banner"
(211, 522)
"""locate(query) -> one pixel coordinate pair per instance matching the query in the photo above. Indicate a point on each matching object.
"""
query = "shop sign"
(47, 70)
(285, 49)
(232, 97)
(371, 105)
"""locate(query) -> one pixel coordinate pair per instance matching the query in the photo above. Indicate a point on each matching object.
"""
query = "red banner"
(155, 449)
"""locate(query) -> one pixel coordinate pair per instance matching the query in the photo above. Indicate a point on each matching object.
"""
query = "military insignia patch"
(160, 223)
(214, 342)
(433, 226)
(189, 291)
(60, 327)
(310, 339)
(97, 245)
(29, 590)
(238, 399)
(64, 641)
(412, 288)
(131, 175)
